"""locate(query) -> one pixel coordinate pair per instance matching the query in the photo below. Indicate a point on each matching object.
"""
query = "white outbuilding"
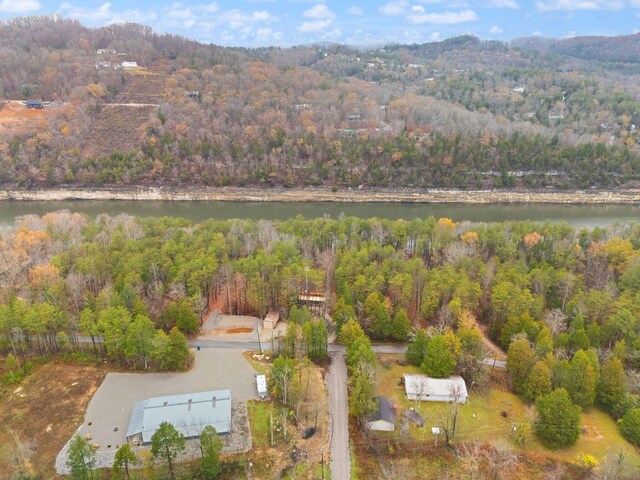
(424, 388)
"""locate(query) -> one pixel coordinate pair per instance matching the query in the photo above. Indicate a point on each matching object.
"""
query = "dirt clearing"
(44, 411)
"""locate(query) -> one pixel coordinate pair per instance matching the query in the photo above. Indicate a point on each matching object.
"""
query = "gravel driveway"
(110, 408)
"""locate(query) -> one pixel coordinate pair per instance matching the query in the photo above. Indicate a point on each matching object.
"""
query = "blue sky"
(358, 22)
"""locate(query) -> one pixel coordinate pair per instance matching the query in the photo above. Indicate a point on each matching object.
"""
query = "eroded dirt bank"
(327, 195)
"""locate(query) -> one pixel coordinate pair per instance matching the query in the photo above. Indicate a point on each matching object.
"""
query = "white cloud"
(512, 4)
(552, 5)
(104, 15)
(435, 37)
(419, 16)
(206, 21)
(495, 30)
(19, 6)
(356, 11)
(395, 8)
(237, 19)
(321, 19)
(267, 36)
(315, 26)
(319, 11)
(332, 35)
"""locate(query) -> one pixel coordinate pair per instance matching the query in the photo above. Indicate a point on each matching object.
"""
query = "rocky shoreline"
(237, 194)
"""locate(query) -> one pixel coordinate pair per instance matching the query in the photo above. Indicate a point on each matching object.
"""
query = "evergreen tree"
(377, 316)
(539, 381)
(612, 383)
(81, 458)
(558, 422)
(630, 426)
(520, 360)
(583, 380)
(210, 448)
(416, 349)
(350, 331)
(167, 443)
(400, 326)
(441, 356)
(342, 311)
(179, 353)
(181, 315)
(138, 344)
(124, 457)
(360, 352)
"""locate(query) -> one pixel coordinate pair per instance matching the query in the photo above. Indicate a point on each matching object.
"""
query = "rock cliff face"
(328, 195)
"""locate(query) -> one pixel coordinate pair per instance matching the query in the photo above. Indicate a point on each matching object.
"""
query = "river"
(577, 215)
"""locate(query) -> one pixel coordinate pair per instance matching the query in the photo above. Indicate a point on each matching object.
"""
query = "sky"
(256, 23)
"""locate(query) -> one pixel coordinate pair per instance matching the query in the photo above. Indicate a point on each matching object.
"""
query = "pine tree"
(167, 443)
(417, 348)
(583, 380)
(124, 457)
(539, 381)
(210, 448)
(520, 359)
(612, 383)
(558, 419)
(81, 458)
(630, 426)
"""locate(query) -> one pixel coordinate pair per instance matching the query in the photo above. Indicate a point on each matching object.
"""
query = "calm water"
(578, 215)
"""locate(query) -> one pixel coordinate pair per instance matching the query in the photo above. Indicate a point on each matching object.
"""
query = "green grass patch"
(490, 414)
(260, 421)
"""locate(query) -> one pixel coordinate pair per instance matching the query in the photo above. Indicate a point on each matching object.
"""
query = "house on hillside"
(384, 419)
(35, 104)
(129, 64)
(189, 413)
(423, 388)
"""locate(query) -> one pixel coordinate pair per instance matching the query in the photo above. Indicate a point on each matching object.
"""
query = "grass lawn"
(489, 416)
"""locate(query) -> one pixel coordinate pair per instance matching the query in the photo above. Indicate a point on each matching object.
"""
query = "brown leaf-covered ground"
(43, 412)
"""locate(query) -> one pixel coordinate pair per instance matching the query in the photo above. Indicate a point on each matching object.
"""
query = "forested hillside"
(124, 106)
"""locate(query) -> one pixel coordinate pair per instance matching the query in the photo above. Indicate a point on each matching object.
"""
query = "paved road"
(492, 362)
(134, 105)
(339, 418)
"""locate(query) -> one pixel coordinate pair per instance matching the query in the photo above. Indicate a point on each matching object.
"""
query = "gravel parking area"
(110, 408)
(216, 327)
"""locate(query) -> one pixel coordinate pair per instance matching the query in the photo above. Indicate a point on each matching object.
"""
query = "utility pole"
(306, 279)
(258, 334)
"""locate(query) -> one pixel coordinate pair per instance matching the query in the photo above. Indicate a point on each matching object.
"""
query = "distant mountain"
(625, 48)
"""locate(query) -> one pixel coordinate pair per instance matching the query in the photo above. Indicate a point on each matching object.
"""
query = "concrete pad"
(112, 404)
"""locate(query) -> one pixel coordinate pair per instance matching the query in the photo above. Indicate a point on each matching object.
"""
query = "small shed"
(271, 320)
(384, 420)
(261, 386)
(414, 417)
(424, 388)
